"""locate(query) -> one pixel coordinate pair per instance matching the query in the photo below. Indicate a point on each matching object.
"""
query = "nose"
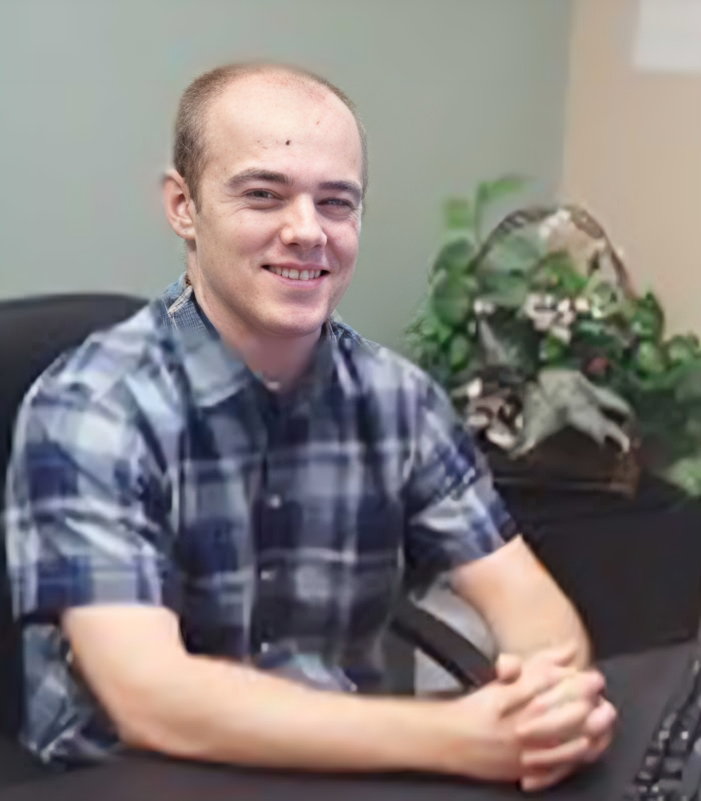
(301, 226)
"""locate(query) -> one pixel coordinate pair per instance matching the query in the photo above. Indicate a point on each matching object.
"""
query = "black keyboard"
(671, 768)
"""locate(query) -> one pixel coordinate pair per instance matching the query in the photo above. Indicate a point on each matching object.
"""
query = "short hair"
(189, 145)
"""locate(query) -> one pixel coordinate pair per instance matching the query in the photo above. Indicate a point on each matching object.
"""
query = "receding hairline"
(221, 79)
(287, 79)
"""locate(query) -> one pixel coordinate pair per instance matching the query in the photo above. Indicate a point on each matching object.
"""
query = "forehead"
(282, 122)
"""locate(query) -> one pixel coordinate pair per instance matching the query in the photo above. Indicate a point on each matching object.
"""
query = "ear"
(178, 205)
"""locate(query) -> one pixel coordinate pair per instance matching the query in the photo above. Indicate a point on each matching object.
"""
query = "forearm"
(523, 606)
(224, 712)
(550, 622)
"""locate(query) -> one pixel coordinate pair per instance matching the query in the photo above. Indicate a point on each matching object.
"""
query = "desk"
(639, 685)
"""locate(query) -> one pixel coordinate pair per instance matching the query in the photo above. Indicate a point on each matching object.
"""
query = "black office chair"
(33, 332)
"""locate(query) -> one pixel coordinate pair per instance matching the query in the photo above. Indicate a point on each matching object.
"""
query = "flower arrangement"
(536, 327)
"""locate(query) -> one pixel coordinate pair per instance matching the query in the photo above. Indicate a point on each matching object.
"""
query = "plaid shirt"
(152, 466)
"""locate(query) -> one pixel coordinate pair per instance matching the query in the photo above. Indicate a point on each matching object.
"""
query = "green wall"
(450, 91)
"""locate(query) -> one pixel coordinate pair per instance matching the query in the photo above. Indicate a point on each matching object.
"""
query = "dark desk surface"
(639, 685)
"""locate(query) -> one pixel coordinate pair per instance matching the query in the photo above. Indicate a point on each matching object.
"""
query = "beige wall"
(633, 156)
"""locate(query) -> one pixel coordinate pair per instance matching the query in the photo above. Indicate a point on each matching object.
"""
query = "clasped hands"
(540, 719)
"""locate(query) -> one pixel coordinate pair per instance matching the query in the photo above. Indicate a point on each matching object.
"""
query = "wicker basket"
(568, 460)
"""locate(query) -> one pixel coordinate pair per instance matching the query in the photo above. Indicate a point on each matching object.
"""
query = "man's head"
(270, 170)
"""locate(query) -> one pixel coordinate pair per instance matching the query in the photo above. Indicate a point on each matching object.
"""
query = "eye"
(338, 204)
(260, 194)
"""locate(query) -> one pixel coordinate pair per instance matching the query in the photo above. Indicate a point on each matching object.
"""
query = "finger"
(597, 748)
(601, 720)
(526, 689)
(564, 754)
(508, 668)
(533, 782)
(584, 685)
(564, 723)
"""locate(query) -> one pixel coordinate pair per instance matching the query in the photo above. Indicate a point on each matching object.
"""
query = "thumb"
(518, 694)
(508, 668)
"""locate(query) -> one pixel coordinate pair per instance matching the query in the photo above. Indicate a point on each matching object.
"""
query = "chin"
(290, 327)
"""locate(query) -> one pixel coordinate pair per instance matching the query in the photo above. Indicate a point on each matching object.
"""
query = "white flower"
(474, 389)
(561, 332)
(541, 309)
(581, 305)
(483, 308)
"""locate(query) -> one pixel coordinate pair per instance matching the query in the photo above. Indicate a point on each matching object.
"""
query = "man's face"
(277, 224)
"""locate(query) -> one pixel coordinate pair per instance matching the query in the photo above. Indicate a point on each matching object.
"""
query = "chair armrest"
(435, 638)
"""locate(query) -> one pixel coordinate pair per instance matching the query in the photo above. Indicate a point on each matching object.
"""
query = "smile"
(296, 275)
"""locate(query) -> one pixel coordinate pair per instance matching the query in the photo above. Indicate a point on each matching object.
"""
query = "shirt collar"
(214, 371)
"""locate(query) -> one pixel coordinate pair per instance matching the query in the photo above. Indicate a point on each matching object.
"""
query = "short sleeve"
(454, 514)
(86, 507)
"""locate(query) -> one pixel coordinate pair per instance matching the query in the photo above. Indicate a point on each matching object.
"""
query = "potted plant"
(558, 366)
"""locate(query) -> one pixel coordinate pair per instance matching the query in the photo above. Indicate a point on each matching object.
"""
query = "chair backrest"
(33, 332)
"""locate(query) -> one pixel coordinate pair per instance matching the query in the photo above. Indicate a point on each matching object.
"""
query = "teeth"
(304, 275)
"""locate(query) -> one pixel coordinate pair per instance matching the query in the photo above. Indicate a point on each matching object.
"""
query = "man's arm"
(163, 699)
(529, 616)
(521, 603)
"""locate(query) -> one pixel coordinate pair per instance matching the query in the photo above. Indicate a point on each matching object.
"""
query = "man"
(209, 506)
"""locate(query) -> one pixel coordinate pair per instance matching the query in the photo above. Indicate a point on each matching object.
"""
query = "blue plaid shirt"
(151, 466)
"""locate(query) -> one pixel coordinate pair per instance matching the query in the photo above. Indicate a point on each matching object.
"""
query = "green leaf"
(646, 317)
(443, 333)
(519, 252)
(459, 214)
(552, 350)
(683, 349)
(557, 273)
(650, 359)
(688, 385)
(505, 290)
(686, 473)
(692, 427)
(490, 192)
(454, 256)
(451, 299)
(460, 349)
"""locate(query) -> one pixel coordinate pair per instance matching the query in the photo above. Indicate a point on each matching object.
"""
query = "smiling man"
(209, 506)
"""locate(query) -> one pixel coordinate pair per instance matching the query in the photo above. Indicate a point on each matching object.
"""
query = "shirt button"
(274, 501)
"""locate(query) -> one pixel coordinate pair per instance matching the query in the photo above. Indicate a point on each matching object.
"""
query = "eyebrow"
(271, 177)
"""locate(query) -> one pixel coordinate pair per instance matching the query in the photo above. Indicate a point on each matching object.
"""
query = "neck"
(279, 361)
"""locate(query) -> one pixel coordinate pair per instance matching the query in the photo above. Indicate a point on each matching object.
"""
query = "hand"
(566, 726)
(481, 739)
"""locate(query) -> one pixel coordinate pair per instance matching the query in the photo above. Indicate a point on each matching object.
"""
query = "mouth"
(299, 277)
